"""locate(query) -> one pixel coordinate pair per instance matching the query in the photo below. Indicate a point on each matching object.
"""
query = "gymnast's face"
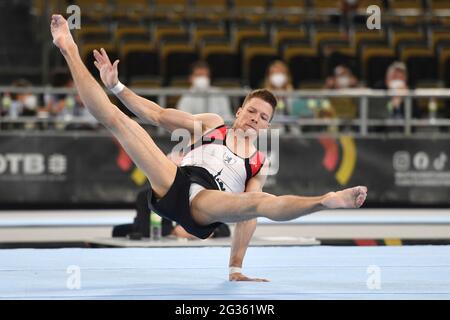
(253, 116)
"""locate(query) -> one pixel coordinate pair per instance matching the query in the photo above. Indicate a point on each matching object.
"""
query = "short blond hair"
(397, 65)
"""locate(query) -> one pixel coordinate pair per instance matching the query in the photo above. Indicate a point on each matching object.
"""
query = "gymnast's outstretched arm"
(149, 111)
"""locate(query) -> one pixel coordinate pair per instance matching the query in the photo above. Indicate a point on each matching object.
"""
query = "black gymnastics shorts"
(175, 204)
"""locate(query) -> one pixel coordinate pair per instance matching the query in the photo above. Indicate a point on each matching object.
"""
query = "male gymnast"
(222, 175)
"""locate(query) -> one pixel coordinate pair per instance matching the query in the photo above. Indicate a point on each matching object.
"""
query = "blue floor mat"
(404, 272)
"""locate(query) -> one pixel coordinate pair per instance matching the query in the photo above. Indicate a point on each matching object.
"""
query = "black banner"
(396, 171)
(229, 309)
(94, 170)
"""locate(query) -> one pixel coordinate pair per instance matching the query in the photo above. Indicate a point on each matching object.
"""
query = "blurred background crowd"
(214, 46)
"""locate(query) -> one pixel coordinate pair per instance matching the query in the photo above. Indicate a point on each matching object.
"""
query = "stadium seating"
(256, 59)
(159, 39)
(374, 62)
(421, 63)
(223, 60)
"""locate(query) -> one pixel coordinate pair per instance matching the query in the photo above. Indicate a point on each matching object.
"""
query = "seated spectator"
(396, 79)
(68, 107)
(343, 78)
(348, 14)
(278, 78)
(393, 107)
(24, 104)
(213, 102)
(20, 104)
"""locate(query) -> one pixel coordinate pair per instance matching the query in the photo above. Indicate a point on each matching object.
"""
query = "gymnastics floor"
(316, 272)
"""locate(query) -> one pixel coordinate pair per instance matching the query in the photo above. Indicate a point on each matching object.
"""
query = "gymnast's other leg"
(211, 206)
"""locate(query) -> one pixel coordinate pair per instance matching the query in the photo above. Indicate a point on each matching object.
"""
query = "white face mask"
(31, 102)
(278, 80)
(201, 83)
(343, 81)
(396, 84)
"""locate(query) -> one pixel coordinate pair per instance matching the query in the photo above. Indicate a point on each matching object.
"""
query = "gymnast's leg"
(211, 206)
(135, 140)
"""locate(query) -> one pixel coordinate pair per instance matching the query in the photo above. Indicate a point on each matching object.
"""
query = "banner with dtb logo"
(71, 170)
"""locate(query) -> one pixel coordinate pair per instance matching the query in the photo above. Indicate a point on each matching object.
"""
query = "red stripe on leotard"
(256, 162)
(217, 134)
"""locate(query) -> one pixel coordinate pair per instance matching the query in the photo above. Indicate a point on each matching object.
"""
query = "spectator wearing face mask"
(214, 102)
(67, 107)
(24, 104)
(396, 79)
(278, 78)
(343, 78)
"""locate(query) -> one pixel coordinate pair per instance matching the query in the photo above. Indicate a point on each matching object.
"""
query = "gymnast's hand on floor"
(61, 33)
(109, 73)
(240, 277)
(346, 199)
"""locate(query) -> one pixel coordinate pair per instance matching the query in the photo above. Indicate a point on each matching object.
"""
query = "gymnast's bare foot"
(346, 199)
(61, 33)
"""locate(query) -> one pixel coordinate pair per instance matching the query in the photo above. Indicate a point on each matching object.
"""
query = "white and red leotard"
(230, 171)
